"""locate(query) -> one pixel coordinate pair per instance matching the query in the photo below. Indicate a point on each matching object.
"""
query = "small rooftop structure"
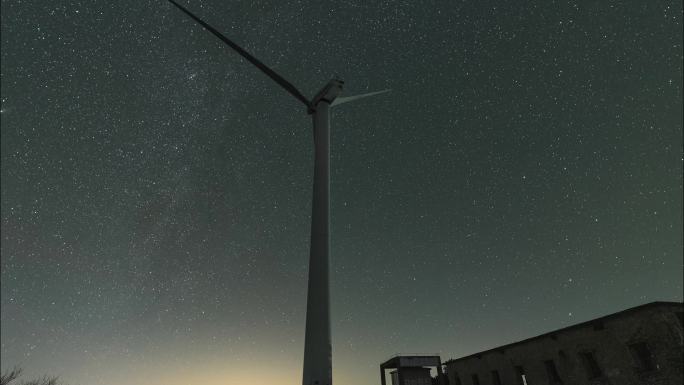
(412, 369)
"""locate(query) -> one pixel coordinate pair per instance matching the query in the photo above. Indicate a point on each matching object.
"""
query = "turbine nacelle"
(327, 94)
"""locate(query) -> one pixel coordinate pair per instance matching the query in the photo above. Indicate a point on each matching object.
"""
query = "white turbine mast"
(317, 345)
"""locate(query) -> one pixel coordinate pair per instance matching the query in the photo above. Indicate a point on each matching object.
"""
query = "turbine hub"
(327, 94)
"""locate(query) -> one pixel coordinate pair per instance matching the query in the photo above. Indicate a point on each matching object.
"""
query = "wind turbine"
(317, 345)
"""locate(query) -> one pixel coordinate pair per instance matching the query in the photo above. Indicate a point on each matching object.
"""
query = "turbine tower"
(317, 345)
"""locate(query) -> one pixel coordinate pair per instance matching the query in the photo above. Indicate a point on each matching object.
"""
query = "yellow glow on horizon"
(265, 370)
(253, 374)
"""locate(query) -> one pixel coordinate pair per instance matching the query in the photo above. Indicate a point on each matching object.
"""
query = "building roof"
(575, 326)
(411, 360)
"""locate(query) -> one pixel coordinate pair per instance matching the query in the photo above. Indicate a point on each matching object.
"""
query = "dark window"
(457, 379)
(496, 380)
(476, 380)
(590, 365)
(520, 375)
(554, 378)
(642, 356)
(598, 325)
(680, 315)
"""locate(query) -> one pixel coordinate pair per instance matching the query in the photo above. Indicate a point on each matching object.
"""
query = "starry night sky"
(524, 174)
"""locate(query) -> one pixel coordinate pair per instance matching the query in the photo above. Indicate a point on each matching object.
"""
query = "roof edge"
(579, 325)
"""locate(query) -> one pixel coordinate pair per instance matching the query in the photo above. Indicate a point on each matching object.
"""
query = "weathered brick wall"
(657, 326)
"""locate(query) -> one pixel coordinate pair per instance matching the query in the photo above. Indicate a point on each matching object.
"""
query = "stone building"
(637, 346)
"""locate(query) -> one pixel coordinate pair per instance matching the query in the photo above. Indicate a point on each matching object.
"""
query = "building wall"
(659, 327)
(412, 376)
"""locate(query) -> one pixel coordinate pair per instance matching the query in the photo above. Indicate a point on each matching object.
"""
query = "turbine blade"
(269, 72)
(347, 99)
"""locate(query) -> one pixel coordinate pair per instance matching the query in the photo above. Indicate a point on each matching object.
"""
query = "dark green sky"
(524, 174)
